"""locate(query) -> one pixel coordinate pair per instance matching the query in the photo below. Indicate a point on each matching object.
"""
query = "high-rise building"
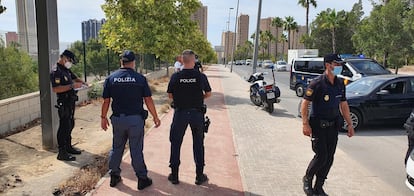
(91, 28)
(227, 42)
(26, 26)
(242, 29)
(200, 16)
(266, 25)
(11, 37)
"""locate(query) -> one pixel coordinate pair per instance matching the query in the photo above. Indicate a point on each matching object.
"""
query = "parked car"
(409, 164)
(380, 99)
(280, 66)
(238, 62)
(267, 64)
(243, 62)
(259, 63)
(249, 61)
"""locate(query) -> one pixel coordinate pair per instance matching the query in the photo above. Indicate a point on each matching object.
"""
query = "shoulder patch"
(309, 92)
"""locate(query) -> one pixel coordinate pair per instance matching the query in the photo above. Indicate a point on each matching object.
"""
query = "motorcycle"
(263, 94)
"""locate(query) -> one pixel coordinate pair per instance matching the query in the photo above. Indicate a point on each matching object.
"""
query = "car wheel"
(299, 90)
(356, 119)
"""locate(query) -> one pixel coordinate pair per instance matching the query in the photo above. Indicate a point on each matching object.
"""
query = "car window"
(411, 90)
(369, 67)
(310, 66)
(363, 86)
(396, 87)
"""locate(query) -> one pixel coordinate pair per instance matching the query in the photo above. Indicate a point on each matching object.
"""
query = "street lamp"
(234, 38)
(227, 39)
(256, 39)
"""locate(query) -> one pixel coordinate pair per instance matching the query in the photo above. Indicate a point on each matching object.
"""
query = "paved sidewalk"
(221, 163)
(248, 152)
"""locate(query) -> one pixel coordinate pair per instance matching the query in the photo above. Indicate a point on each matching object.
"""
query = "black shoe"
(73, 150)
(115, 179)
(144, 183)
(307, 186)
(64, 156)
(173, 179)
(319, 192)
(200, 179)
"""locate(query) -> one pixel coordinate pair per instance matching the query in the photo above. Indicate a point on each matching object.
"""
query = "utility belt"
(322, 123)
(144, 114)
(202, 109)
(68, 96)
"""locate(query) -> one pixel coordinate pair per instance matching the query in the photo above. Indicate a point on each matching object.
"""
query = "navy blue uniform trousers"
(324, 141)
(182, 118)
(127, 128)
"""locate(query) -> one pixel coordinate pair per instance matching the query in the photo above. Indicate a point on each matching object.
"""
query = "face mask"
(337, 70)
(68, 65)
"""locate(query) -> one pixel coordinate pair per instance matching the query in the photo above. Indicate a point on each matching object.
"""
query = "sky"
(72, 12)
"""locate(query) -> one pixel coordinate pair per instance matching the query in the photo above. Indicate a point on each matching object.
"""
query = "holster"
(204, 109)
(206, 124)
(144, 114)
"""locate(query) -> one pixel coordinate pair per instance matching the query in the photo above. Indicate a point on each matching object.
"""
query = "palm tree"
(306, 4)
(283, 39)
(268, 36)
(330, 20)
(277, 22)
(289, 25)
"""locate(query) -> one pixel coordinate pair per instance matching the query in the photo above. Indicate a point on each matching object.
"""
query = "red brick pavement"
(221, 160)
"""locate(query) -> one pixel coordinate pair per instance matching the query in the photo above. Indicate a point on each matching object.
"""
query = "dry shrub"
(165, 108)
(85, 179)
(153, 88)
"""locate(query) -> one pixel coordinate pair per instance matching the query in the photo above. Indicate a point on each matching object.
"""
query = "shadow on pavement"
(282, 113)
(217, 76)
(380, 130)
(161, 186)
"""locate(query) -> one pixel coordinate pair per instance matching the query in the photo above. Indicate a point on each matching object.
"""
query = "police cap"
(69, 55)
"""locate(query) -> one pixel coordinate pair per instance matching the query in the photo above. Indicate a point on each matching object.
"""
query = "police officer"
(198, 65)
(188, 89)
(128, 90)
(327, 94)
(64, 82)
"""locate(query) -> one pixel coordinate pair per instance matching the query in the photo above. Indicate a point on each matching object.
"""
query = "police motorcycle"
(263, 94)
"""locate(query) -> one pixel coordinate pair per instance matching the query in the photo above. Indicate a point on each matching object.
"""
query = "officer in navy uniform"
(198, 65)
(64, 82)
(188, 89)
(128, 90)
(327, 94)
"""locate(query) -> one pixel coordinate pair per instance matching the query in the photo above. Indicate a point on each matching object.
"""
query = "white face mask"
(337, 70)
(68, 65)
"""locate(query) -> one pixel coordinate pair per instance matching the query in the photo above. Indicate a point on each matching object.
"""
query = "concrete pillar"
(48, 49)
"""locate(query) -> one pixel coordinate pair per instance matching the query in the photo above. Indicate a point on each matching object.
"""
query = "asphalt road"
(380, 149)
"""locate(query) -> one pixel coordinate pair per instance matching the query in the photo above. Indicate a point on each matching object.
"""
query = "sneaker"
(144, 183)
(115, 179)
(200, 179)
(173, 179)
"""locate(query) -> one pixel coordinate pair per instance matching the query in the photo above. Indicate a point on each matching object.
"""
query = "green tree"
(17, 70)
(290, 25)
(2, 8)
(283, 40)
(306, 4)
(331, 21)
(162, 28)
(278, 23)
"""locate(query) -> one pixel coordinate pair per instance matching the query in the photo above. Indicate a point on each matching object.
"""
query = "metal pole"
(84, 60)
(256, 40)
(234, 38)
(48, 47)
(228, 39)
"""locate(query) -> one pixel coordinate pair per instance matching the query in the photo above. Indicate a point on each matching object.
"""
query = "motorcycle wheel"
(269, 107)
(255, 100)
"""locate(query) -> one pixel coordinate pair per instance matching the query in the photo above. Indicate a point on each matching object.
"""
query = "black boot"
(201, 177)
(173, 177)
(70, 149)
(115, 179)
(307, 185)
(318, 190)
(63, 155)
(144, 182)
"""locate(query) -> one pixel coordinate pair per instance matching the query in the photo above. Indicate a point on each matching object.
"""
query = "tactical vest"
(188, 92)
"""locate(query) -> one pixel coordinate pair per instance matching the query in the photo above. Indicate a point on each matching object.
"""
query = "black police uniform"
(62, 76)
(198, 66)
(325, 121)
(187, 88)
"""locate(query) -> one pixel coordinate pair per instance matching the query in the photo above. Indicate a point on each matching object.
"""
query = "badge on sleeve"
(57, 80)
(309, 92)
(326, 98)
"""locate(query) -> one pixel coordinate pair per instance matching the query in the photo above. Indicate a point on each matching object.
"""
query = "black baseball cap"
(127, 56)
(70, 55)
(329, 58)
